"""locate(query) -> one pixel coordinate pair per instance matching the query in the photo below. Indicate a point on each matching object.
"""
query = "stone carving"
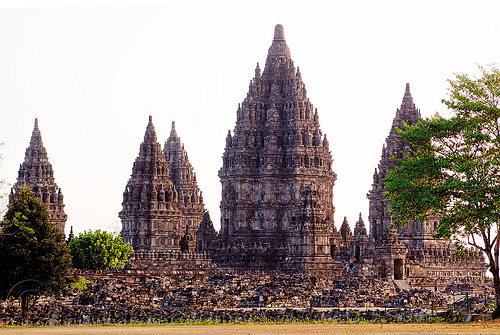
(409, 252)
(277, 200)
(206, 236)
(393, 147)
(150, 215)
(190, 197)
(163, 207)
(36, 172)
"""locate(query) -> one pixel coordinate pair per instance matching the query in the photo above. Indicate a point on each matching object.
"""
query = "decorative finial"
(150, 135)
(279, 32)
(173, 132)
(407, 98)
(278, 47)
(257, 71)
(36, 136)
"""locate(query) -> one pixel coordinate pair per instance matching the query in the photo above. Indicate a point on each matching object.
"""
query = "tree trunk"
(496, 312)
(24, 305)
(496, 284)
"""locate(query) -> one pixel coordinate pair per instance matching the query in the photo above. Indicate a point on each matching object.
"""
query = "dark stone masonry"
(278, 247)
(133, 296)
(277, 179)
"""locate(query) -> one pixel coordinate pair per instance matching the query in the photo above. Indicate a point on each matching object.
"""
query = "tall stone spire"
(36, 172)
(267, 199)
(150, 215)
(394, 146)
(190, 197)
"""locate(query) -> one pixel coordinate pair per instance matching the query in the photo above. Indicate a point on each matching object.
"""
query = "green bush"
(99, 250)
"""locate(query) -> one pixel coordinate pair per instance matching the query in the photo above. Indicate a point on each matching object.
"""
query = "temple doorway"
(398, 269)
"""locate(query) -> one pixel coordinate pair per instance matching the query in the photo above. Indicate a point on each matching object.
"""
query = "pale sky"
(93, 71)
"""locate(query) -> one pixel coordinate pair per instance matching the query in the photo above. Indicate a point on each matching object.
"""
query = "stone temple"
(36, 172)
(162, 205)
(409, 252)
(189, 194)
(277, 179)
(277, 210)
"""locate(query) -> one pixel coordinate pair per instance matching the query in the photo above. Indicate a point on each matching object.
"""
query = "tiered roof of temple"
(400, 252)
(394, 146)
(190, 197)
(36, 172)
(150, 215)
(277, 176)
(162, 206)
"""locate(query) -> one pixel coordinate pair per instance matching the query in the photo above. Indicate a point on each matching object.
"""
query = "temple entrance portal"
(398, 269)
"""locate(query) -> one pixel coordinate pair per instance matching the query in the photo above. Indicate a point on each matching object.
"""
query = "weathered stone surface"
(206, 236)
(394, 146)
(150, 215)
(277, 198)
(408, 253)
(190, 197)
(131, 296)
(36, 172)
(163, 207)
(277, 178)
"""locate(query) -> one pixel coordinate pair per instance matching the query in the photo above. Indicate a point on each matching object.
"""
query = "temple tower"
(150, 215)
(415, 233)
(395, 146)
(410, 252)
(359, 242)
(190, 197)
(206, 236)
(277, 177)
(345, 232)
(36, 172)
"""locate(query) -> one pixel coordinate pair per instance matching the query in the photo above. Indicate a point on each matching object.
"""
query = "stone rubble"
(143, 296)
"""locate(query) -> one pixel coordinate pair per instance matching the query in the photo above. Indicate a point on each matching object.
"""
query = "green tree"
(99, 250)
(454, 169)
(33, 256)
(80, 285)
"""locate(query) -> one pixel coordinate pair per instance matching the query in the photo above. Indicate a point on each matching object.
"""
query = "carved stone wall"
(190, 197)
(277, 178)
(150, 215)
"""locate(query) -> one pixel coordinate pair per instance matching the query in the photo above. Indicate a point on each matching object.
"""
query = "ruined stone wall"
(169, 296)
(171, 259)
